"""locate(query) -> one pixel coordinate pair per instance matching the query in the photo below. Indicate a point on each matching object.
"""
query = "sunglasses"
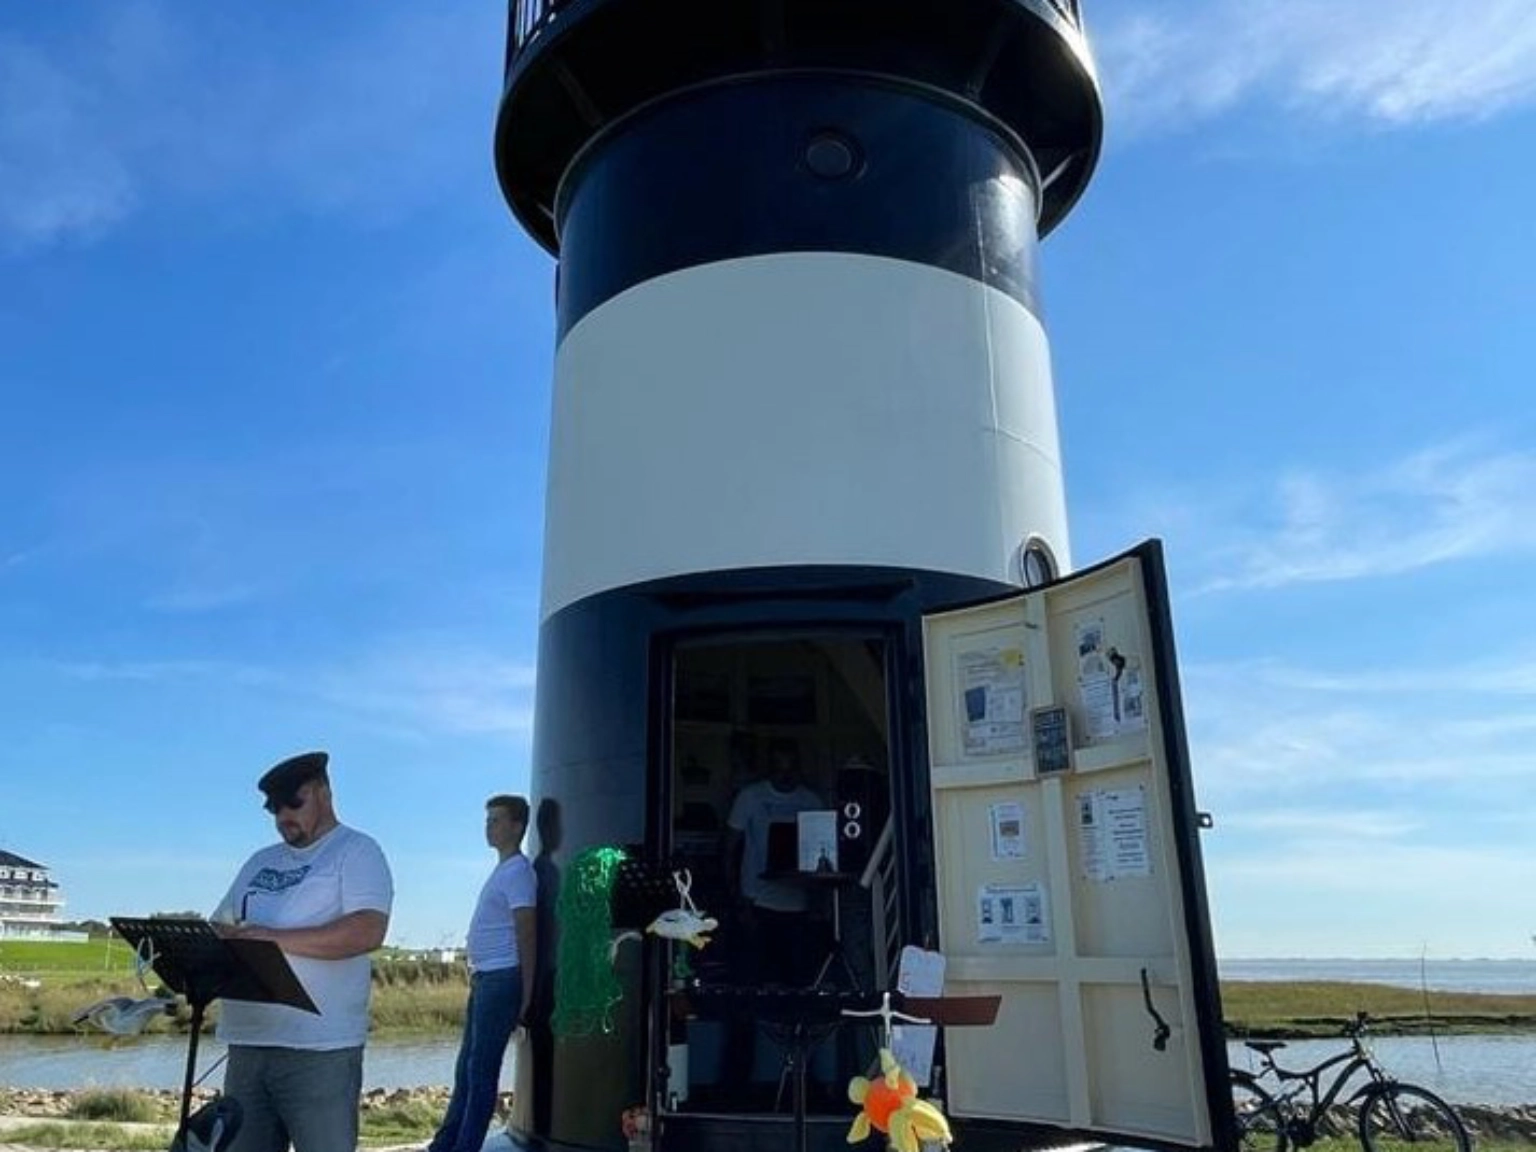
(276, 804)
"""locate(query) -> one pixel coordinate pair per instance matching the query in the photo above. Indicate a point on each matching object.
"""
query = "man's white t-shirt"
(283, 887)
(492, 943)
(757, 806)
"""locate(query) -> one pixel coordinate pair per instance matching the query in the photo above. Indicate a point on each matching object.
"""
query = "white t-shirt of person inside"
(757, 806)
(283, 887)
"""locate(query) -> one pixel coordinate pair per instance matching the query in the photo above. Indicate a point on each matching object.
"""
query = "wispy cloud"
(1351, 895)
(1443, 504)
(1263, 733)
(144, 103)
(49, 187)
(1325, 822)
(416, 689)
(1384, 62)
(455, 690)
(190, 598)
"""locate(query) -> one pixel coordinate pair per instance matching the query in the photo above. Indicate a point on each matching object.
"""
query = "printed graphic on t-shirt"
(279, 879)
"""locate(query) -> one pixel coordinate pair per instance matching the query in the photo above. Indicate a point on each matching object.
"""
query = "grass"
(1480, 1144)
(119, 1105)
(411, 996)
(1273, 1009)
(411, 1121)
(415, 996)
(402, 1123)
(37, 957)
(71, 1134)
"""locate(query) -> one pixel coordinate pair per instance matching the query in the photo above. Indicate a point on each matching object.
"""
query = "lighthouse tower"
(802, 395)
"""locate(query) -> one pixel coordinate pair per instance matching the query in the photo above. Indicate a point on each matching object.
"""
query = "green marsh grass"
(119, 1105)
(1262, 1008)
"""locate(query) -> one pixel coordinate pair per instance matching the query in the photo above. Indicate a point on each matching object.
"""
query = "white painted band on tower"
(807, 408)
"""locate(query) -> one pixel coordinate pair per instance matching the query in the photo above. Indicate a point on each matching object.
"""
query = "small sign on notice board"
(1051, 737)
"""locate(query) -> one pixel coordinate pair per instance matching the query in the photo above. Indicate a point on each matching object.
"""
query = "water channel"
(1469, 1069)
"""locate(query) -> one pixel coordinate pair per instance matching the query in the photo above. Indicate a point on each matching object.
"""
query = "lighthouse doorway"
(779, 798)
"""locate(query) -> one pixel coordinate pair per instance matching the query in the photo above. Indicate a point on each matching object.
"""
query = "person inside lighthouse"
(771, 945)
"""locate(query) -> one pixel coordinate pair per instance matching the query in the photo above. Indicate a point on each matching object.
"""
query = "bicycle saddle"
(1265, 1045)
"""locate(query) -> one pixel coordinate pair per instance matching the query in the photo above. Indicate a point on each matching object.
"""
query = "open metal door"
(1069, 874)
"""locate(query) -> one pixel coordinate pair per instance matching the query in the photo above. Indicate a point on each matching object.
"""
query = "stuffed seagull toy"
(123, 1015)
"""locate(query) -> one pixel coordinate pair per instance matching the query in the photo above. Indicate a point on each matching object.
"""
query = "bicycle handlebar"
(1355, 1029)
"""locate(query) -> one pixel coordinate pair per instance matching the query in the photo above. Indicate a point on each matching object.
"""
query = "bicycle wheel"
(1260, 1123)
(1403, 1117)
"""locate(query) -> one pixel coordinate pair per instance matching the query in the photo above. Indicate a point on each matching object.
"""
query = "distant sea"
(1517, 977)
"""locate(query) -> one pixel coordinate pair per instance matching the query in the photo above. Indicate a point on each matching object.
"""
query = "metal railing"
(526, 19)
(1068, 11)
(880, 878)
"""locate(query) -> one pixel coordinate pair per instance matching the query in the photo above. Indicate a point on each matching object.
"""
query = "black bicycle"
(1389, 1116)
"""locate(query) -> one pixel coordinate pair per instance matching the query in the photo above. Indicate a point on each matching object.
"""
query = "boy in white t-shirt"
(503, 955)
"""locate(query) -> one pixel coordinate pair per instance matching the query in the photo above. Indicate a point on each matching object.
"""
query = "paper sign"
(1012, 914)
(818, 841)
(1112, 834)
(1008, 831)
(992, 701)
(919, 973)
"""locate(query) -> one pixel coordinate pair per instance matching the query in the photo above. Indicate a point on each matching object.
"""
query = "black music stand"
(800, 1018)
(198, 963)
(834, 883)
(797, 1019)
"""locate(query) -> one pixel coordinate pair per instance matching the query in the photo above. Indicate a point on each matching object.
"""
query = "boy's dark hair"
(515, 807)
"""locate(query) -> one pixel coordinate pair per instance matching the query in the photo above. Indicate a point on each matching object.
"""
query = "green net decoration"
(586, 989)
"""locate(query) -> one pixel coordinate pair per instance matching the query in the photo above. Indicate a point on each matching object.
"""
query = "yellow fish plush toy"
(890, 1105)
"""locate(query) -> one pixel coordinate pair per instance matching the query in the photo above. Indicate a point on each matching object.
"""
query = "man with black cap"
(323, 895)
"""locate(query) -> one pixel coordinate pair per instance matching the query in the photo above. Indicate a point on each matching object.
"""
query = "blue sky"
(274, 368)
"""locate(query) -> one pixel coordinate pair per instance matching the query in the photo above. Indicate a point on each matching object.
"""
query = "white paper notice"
(1097, 693)
(992, 700)
(1112, 833)
(1012, 914)
(1110, 685)
(1008, 831)
(919, 973)
(817, 841)
(1133, 700)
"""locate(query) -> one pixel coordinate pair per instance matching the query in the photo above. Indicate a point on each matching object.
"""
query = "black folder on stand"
(196, 962)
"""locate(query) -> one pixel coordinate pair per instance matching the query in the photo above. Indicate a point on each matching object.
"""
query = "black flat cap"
(284, 779)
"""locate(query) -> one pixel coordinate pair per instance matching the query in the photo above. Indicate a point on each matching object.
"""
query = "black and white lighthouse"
(802, 396)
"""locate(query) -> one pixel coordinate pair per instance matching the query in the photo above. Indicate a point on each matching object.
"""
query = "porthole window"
(1036, 564)
(832, 155)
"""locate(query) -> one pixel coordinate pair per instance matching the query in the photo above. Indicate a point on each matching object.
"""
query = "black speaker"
(861, 812)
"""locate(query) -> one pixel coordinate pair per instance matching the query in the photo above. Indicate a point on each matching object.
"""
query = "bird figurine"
(684, 923)
(687, 924)
(889, 1104)
(123, 1015)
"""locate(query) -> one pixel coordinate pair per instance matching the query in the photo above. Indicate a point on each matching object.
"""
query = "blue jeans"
(292, 1094)
(495, 998)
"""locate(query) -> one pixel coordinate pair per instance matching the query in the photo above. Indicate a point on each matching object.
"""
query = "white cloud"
(189, 598)
(52, 183)
(1344, 896)
(146, 104)
(1263, 734)
(446, 690)
(1328, 823)
(1444, 504)
(415, 689)
(1386, 62)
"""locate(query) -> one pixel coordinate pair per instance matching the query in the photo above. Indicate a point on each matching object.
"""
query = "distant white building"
(30, 900)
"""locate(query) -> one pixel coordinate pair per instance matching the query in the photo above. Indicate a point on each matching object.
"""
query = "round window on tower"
(833, 155)
(1036, 564)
